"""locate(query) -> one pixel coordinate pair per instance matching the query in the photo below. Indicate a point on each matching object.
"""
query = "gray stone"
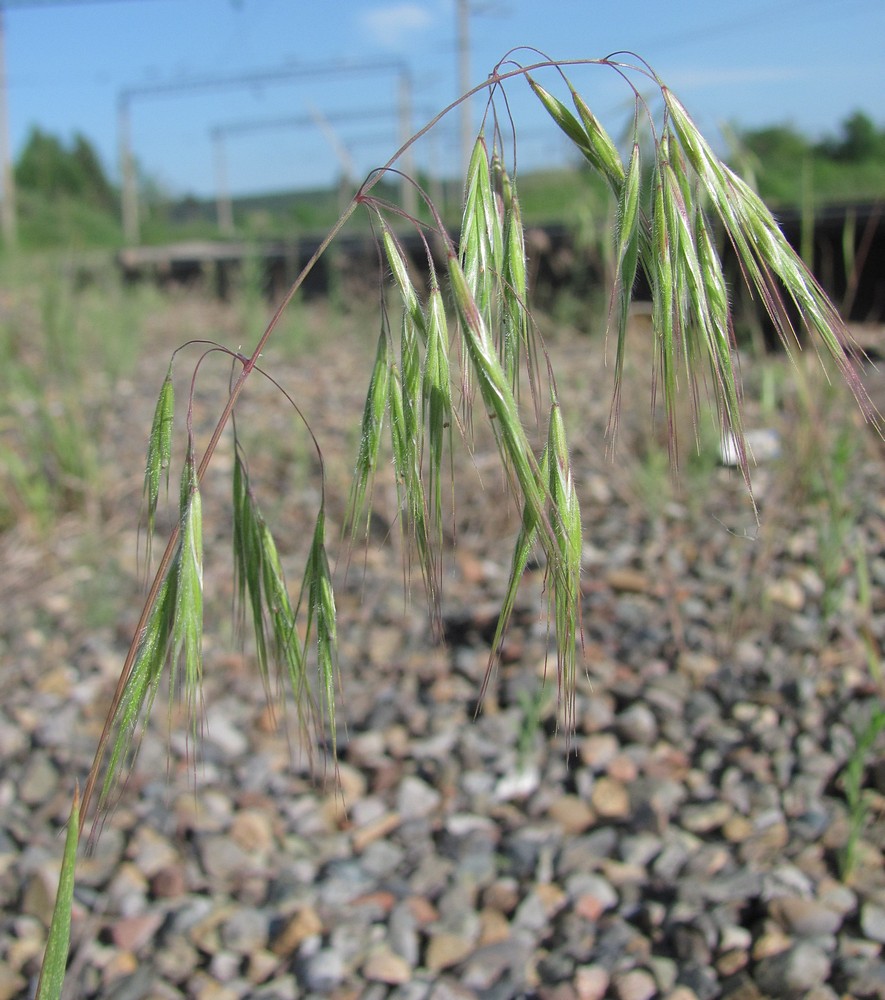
(804, 917)
(637, 724)
(872, 921)
(322, 971)
(416, 799)
(245, 931)
(793, 971)
(634, 985)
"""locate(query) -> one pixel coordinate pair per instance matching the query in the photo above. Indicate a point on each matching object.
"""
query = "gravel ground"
(683, 842)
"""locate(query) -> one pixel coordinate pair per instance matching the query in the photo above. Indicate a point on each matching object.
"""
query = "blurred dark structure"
(848, 260)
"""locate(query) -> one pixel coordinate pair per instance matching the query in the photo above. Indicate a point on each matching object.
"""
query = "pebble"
(38, 780)
(323, 970)
(572, 813)
(794, 970)
(610, 799)
(591, 982)
(133, 933)
(634, 985)
(11, 982)
(683, 843)
(804, 917)
(416, 799)
(872, 921)
(245, 931)
(445, 949)
(637, 724)
(385, 966)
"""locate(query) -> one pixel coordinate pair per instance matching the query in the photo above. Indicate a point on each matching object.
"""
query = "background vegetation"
(67, 200)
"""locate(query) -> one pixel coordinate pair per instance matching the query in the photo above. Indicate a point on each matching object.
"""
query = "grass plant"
(63, 350)
(461, 349)
(856, 796)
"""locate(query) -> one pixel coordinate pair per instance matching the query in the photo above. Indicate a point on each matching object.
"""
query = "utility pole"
(7, 206)
(130, 188)
(8, 221)
(463, 14)
(128, 182)
(223, 204)
(408, 192)
(326, 123)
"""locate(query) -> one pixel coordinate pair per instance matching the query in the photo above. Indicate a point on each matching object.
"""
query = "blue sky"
(806, 62)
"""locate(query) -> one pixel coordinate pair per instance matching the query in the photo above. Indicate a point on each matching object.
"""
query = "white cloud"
(393, 25)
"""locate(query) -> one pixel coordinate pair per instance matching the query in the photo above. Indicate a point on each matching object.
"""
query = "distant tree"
(47, 167)
(788, 167)
(860, 141)
(775, 144)
(96, 185)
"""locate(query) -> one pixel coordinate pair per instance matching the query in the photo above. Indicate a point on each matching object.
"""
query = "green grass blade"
(141, 686)
(660, 263)
(565, 518)
(481, 232)
(515, 290)
(602, 152)
(410, 487)
(497, 395)
(564, 119)
(289, 651)
(370, 436)
(411, 388)
(768, 262)
(522, 551)
(626, 261)
(248, 555)
(55, 958)
(159, 449)
(558, 532)
(436, 391)
(400, 270)
(187, 633)
(321, 623)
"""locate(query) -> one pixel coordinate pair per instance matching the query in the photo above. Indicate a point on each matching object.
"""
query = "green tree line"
(789, 168)
(67, 199)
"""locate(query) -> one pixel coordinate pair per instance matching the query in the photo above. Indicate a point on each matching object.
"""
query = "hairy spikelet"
(187, 630)
(371, 427)
(482, 234)
(436, 394)
(159, 451)
(318, 594)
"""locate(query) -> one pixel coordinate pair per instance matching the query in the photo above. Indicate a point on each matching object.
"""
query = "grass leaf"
(481, 232)
(496, 393)
(628, 228)
(248, 562)
(370, 435)
(143, 681)
(52, 972)
(409, 483)
(564, 119)
(321, 622)
(768, 262)
(400, 269)
(565, 583)
(436, 393)
(601, 151)
(515, 287)
(187, 633)
(522, 551)
(159, 449)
